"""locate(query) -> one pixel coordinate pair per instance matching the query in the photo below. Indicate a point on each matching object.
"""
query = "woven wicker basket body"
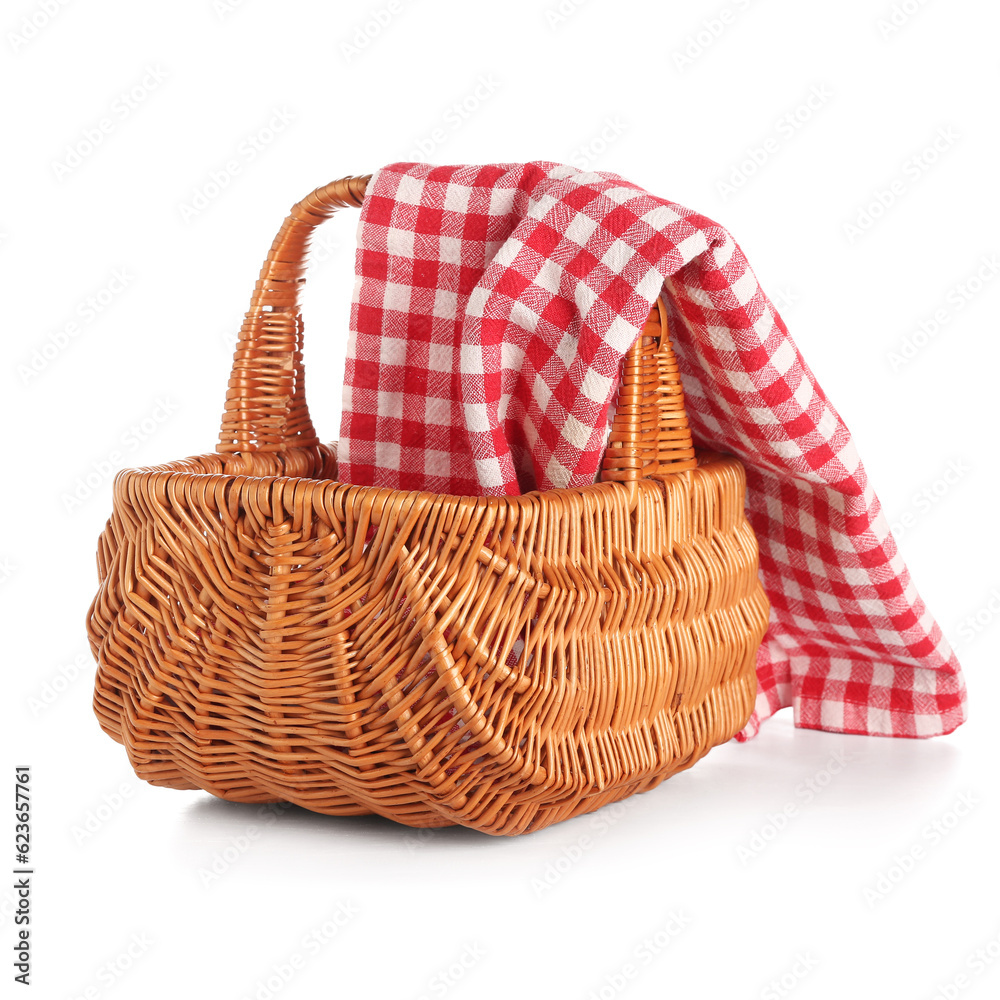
(267, 633)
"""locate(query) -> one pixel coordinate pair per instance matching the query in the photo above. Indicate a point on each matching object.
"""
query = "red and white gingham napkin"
(492, 308)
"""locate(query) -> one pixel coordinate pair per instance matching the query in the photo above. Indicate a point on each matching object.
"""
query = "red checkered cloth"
(492, 309)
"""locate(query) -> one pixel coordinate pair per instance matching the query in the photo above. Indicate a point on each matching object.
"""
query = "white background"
(120, 865)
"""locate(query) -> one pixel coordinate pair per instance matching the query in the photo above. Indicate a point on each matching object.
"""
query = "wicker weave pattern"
(268, 634)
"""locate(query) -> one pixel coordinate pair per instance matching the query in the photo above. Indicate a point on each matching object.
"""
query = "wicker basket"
(268, 634)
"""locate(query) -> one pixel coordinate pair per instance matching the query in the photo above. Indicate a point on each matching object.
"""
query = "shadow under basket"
(269, 634)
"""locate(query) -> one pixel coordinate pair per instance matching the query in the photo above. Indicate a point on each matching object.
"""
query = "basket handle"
(266, 402)
(266, 408)
(650, 435)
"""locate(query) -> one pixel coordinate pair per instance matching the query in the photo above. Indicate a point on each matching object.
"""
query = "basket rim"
(172, 470)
